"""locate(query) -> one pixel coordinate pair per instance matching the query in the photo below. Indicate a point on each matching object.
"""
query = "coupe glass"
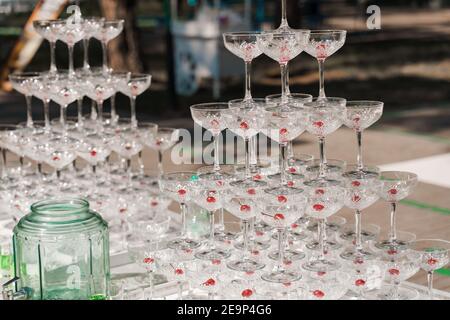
(245, 209)
(41, 89)
(359, 116)
(324, 200)
(283, 46)
(161, 140)
(395, 186)
(431, 254)
(281, 216)
(324, 117)
(59, 156)
(321, 45)
(133, 85)
(284, 123)
(333, 288)
(22, 82)
(90, 27)
(360, 194)
(49, 30)
(108, 30)
(71, 33)
(179, 187)
(212, 117)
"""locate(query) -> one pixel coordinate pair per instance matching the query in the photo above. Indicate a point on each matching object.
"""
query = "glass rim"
(210, 106)
(424, 240)
(167, 175)
(399, 174)
(363, 103)
(328, 31)
(240, 33)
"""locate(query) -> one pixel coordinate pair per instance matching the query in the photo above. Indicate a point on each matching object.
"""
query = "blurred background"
(405, 63)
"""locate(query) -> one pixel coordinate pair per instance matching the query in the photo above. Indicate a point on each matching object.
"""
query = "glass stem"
(248, 174)
(29, 113)
(129, 174)
(323, 161)
(216, 153)
(80, 112)
(53, 69)
(183, 209)
(284, 82)
(100, 114)
(47, 114)
(4, 164)
(211, 229)
(93, 110)
(321, 228)
(358, 242)
(359, 158)
(283, 158)
(221, 220)
(284, 22)
(71, 68)
(160, 163)
(248, 81)
(322, 95)
(105, 56)
(245, 236)
(94, 175)
(113, 109)
(150, 277)
(133, 111)
(63, 119)
(141, 164)
(290, 152)
(253, 154)
(430, 284)
(86, 66)
(393, 230)
(281, 232)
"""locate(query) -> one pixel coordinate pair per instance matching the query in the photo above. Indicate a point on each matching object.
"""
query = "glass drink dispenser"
(61, 251)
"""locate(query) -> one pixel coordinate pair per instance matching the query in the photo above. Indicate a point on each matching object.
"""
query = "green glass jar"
(61, 251)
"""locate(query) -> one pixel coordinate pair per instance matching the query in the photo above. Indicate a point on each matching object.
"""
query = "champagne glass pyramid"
(359, 116)
(49, 30)
(108, 30)
(23, 83)
(395, 186)
(212, 117)
(283, 46)
(321, 45)
(179, 187)
(360, 194)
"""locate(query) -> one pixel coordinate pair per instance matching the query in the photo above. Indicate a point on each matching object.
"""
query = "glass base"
(364, 173)
(208, 173)
(289, 255)
(245, 265)
(183, 243)
(365, 235)
(321, 265)
(293, 235)
(262, 226)
(330, 245)
(281, 276)
(388, 292)
(322, 183)
(248, 184)
(256, 245)
(225, 236)
(212, 254)
(352, 254)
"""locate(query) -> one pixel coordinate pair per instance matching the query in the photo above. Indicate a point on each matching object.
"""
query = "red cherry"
(321, 273)
(356, 119)
(356, 198)
(320, 191)
(318, 207)
(179, 272)
(245, 208)
(251, 191)
(211, 199)
(287, 262)
(249, 273)
(244, 125)
(154, 203)
(219, 183)
(255, 252)
(356, 183)
(187, 250)
(318, 124)
(158, 142)
(360, 282)
(93, 153)
(148, 260)
(122, 210)
(394, 272)
(216, 261)
(392, 191)
(257, 177)
(209, 282)
(56, 158)
(181, 192)
(290, 183)
(358, 261)
(287, 284)
(282, 199)
(294, 226)
(214, 123)
(432, 261)
(283, 131)
(318, 293)
(247, 293)
(391, 252)
(278, 216)
(292, 170)
(259, 233)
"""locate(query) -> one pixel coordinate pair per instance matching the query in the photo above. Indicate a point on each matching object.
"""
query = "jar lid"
(59, 217)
